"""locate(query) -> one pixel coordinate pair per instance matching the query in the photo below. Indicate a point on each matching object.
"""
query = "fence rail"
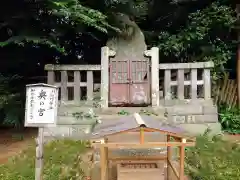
(76, 83)
(183, 83)
(225, 92)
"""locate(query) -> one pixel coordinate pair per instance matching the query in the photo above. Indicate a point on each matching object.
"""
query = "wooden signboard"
(41, 111)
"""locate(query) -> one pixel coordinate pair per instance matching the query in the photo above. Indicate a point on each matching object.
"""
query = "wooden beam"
(137, 158)
(175, 135)
(169, 156)
(145, 145)
(147, 129)
(182, 156)
(104, 162)
(141, 135)
(175, 172)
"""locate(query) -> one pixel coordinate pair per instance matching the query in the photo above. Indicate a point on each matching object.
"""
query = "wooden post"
(169, 155)
(141, 135)
(108, 172)
(104, 162)
(39, 155)
(182, 156)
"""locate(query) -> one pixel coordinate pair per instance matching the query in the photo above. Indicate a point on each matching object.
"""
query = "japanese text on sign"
(41, 104)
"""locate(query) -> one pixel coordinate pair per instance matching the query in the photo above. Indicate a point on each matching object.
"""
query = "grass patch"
(210, 159)
(213, 159)
(61, 159)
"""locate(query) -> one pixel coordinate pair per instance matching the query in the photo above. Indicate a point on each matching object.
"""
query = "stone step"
(63, 131)
(78, 131)
(186, 109)
(70, 110)
(192, 118)
(173, 102)
(71, 120)
(197, 129)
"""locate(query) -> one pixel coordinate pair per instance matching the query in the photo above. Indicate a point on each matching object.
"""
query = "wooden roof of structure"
(134, 122)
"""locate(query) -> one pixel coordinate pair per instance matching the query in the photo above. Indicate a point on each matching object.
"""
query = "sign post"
(41, 111)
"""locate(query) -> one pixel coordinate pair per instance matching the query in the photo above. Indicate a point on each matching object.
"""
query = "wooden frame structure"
(173, 140)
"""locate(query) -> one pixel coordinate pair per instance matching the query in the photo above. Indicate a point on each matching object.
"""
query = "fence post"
(50, 77)
(154, 54)
(105, 54)
(180, 84)
(194, 84)
(64, 90)
(167, 85)
(207, 83)
(77, 88)
(89, 85)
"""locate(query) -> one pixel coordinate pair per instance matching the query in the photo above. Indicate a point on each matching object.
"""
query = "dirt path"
(11, 143)
(234, 138)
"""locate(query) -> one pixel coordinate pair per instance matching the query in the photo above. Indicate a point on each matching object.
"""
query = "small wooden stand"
(180, 141)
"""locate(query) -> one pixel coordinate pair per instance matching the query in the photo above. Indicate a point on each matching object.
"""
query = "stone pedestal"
(195, 116)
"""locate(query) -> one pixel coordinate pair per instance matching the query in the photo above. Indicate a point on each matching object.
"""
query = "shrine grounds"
(214, 158)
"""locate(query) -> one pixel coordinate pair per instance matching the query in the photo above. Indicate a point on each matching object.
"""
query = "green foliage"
(148, 112)
(11, 104)
(22, 40)
(134, 8)
(123, 113)
(60, 159)
(213, 159)
(198, 40)
(73, 11)
(230, 118)
(48, 22)
(206, 37)
(89, 115)
(24, 23)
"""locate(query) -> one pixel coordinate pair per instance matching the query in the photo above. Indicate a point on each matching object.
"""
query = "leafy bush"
(230, 119)
(201, 40)
(213, 159)
(61, 160)
(11, 101)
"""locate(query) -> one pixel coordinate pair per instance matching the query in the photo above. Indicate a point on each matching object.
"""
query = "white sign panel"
(41, 105)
